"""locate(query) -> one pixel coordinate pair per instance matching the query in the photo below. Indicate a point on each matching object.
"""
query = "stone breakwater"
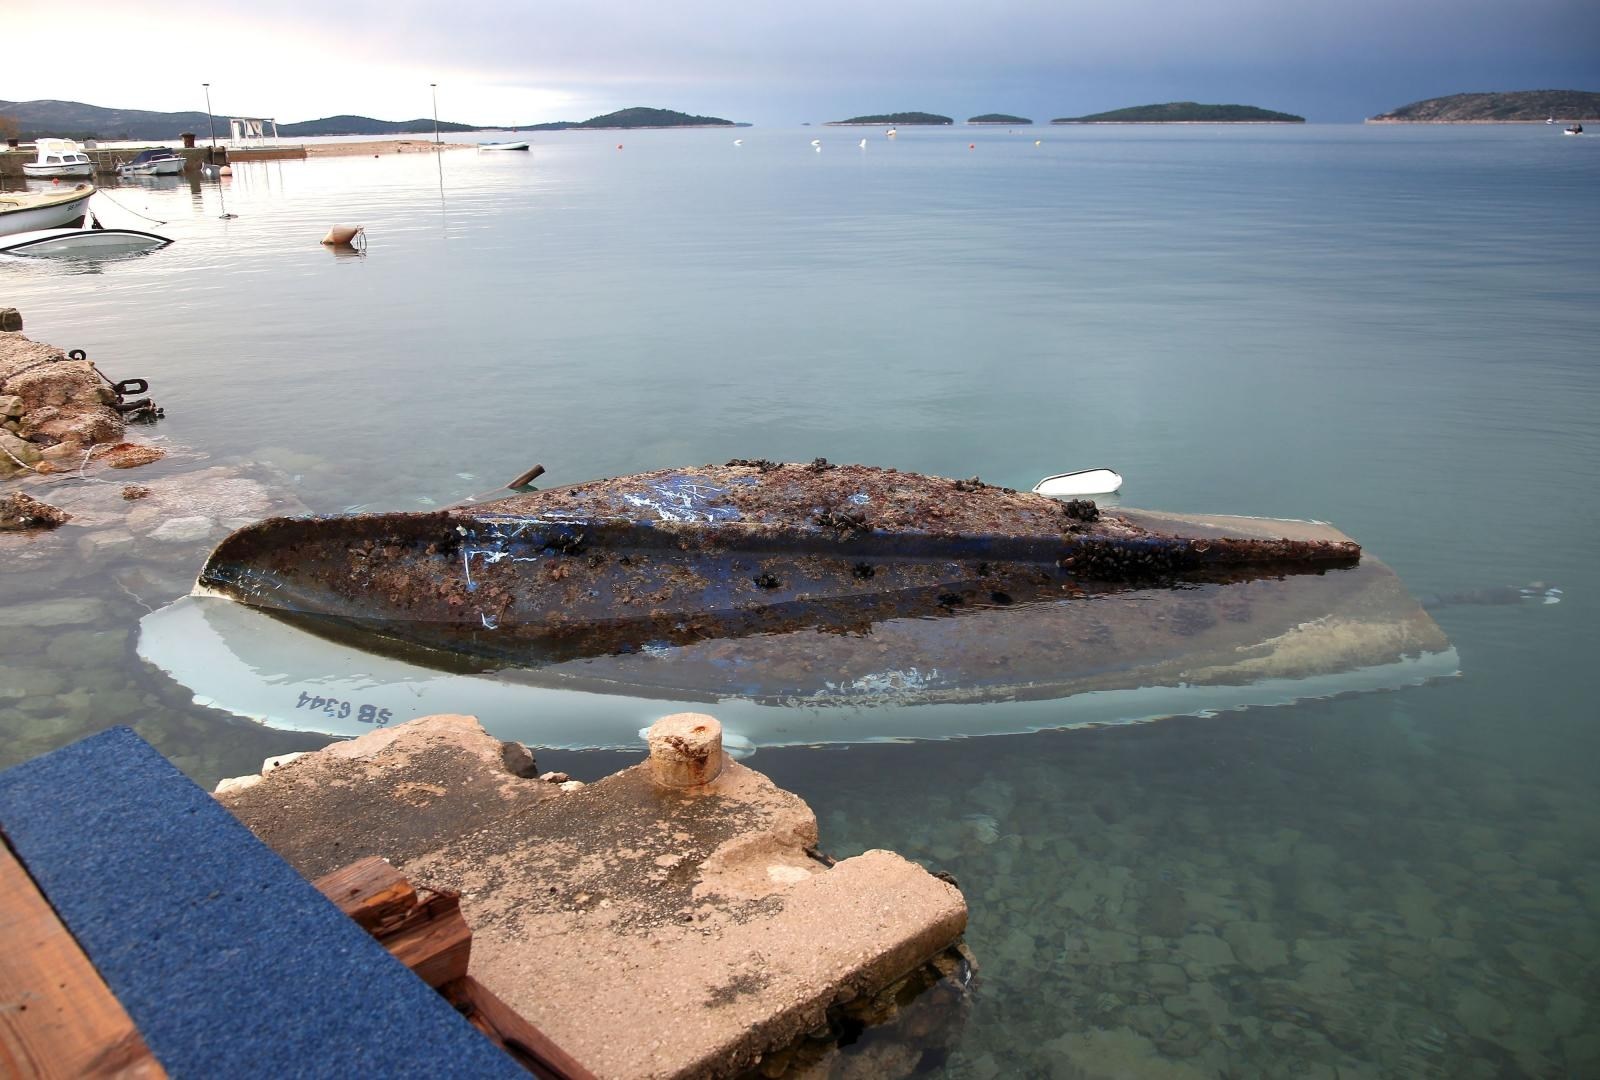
(58, 411)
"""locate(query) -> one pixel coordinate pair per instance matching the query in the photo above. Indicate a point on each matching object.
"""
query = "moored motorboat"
(156, 161)
(26, 211)
(503, 146)
(1575, 129)
(810, 603)
(60, 158)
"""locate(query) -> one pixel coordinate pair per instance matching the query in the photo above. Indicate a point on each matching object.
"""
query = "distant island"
(75, 120)
(1186, 112)
(998, 118)
(897, 119)
(359, 125)
(635, 118)
(1513, 107)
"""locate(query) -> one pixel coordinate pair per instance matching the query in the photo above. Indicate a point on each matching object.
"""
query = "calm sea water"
(1394, 329)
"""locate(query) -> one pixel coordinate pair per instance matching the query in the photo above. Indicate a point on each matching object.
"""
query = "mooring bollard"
(685, 750)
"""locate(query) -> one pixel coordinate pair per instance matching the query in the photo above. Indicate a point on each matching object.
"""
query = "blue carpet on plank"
(230, 963)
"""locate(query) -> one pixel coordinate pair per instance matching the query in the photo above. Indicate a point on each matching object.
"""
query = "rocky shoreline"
(59, 412)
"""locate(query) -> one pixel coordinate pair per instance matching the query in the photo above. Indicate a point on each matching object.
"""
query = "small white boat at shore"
(90, 239)
(157, 161)
(26, 211)
(58, 158)
(1082, 482)
(502, 146)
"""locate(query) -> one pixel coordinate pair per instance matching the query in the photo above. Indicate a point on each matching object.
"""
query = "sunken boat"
(807, 602)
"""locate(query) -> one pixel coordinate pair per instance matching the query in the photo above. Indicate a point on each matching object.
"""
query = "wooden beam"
(505, 1027)
(370, 891)
(426, 931)
(57, 1016)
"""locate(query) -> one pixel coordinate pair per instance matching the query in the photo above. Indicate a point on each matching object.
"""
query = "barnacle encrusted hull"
(717, 554)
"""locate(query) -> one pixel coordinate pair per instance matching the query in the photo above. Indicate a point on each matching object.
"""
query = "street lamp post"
(435, 88)
(211, 120)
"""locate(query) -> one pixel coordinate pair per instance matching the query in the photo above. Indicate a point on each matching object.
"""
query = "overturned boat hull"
(805, 603)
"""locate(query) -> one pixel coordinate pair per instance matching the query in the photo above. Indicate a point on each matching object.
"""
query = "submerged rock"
(20, 512)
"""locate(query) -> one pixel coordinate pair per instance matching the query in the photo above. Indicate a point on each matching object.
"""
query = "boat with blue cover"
(156, 161)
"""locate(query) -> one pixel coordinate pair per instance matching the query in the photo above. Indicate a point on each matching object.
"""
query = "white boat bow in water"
(1082, 482)
(26, 211)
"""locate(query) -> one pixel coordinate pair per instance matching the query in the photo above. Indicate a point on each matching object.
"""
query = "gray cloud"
(772, 63)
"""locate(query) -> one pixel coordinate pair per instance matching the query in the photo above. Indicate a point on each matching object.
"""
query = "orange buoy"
(972, 146)
(619, 146)
(342, 235)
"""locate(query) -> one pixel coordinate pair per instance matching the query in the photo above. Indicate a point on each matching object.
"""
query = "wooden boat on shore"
(27, 211)
(58, 158)
(810, 603)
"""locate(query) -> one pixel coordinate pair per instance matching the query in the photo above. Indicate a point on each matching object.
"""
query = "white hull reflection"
(241, 661)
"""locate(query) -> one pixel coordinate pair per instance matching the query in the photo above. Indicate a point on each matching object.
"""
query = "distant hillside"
(1515, 106)
(898, 118)
(75, 120)
(998, 118)
(364, 125)
(635, 118)
(1186, 112)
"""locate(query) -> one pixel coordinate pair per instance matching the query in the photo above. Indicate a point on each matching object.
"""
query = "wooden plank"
(370, 891)
(435, 941)
(57, 1016)
(526, 1044)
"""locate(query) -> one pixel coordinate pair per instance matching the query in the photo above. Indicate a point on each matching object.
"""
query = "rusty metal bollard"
(685, 750)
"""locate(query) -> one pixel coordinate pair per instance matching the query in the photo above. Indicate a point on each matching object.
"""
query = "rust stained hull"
(702, 559)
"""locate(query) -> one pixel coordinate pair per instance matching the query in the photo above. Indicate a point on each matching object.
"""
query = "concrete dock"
(672, 920)
(106, 161)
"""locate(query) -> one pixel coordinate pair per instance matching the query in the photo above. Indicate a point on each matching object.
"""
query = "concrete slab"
(650, 930)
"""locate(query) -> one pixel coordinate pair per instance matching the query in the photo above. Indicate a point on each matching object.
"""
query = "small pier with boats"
(66, 159)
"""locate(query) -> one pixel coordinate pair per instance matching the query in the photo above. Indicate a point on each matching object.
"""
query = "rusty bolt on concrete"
(685, 750)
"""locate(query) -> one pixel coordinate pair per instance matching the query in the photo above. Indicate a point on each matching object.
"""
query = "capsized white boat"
(91, 239)
(24, 211)
(502, 146)
(1081, 482)
(575, 616)
(59, 158)
(1363, 634)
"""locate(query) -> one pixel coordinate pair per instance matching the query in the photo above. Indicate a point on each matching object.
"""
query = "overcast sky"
(505, 62)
